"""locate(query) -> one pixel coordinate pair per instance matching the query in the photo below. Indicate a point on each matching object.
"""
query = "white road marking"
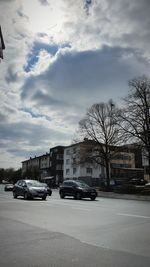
(134, 215)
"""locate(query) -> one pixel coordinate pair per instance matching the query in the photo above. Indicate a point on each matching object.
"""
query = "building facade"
(122, 164)
(49, 165)
(56, 164)
(75, 168)
(39, 165)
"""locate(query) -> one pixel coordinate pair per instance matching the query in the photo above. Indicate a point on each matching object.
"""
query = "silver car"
(29, 189)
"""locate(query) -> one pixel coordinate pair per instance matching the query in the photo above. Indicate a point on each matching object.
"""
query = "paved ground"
(56, 232)
(123, 196)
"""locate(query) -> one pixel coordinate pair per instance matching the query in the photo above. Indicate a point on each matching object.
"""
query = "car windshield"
(34, 183)
(83, 185)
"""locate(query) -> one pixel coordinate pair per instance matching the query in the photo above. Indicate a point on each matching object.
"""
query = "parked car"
(77, 189)
(137, 181)
(29, 189)
(49, 190)
(146, 189)
(8, 187)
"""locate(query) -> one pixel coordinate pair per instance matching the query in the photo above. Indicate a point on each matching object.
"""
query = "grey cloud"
(24, 139)
(80, 77)
(3, 117)
(87, 6)
(45, 99)
(11, 75)
(24, 154)
(35, 134)
(22, 15)
(109, 23)
(44, 2)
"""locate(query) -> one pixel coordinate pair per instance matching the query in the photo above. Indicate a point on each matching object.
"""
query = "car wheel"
(14, 194)
(62, 195)
(26, 196)
(44, 198)
(93, 198)
(78, 196)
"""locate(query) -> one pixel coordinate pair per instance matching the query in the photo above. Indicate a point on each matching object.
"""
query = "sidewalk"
(122, 196)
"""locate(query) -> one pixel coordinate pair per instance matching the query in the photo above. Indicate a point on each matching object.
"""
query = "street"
(68, 232)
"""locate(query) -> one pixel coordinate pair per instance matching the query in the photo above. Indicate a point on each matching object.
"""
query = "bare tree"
(100, 125)
(135, 117)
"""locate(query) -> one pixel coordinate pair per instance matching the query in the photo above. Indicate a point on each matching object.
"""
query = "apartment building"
(76, 168)
(47, 165)
(40, 163)
(122, 165)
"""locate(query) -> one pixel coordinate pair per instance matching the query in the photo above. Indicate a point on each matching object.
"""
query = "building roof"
(44, 155)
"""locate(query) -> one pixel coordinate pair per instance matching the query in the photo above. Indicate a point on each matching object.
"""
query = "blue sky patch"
(37, 47)
(28, 110)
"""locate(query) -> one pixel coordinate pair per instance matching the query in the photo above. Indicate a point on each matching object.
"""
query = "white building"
(74, 168)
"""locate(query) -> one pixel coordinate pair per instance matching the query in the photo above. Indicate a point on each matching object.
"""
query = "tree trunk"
(149, 164)
(108, 174)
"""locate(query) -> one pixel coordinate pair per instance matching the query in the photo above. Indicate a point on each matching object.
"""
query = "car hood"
(88, 189)
(37, 188)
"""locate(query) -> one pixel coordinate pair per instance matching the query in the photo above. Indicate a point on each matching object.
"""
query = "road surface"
(67, 232)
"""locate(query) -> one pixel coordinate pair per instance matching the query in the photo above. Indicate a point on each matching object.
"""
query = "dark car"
(29, 189)
(8, 187)
(146, 190)
(49, 190)
(77, 189)
(137, 181)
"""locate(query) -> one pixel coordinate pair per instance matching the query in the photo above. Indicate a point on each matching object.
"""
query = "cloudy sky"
(61, 57)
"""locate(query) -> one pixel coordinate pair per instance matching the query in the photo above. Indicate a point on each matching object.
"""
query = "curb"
(123, 196)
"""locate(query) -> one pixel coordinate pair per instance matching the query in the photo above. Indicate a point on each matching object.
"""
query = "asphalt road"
(67, 232)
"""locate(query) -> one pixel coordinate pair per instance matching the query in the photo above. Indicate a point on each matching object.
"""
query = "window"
(115, 165)
(67, 152)
(74, 150)
(122, 157)
(67, 171)
(89, 170)
(74, 170)
(59, 156)
(74, 161)
(58, 167)
(67, 161)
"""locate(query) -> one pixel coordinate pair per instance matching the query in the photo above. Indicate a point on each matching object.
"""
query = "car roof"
(70, 181)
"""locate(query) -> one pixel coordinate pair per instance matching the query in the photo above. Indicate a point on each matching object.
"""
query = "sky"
(61, 57)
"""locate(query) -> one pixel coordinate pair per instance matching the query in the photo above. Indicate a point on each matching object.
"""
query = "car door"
(18, 187)
(69, 188)
(23, 188)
